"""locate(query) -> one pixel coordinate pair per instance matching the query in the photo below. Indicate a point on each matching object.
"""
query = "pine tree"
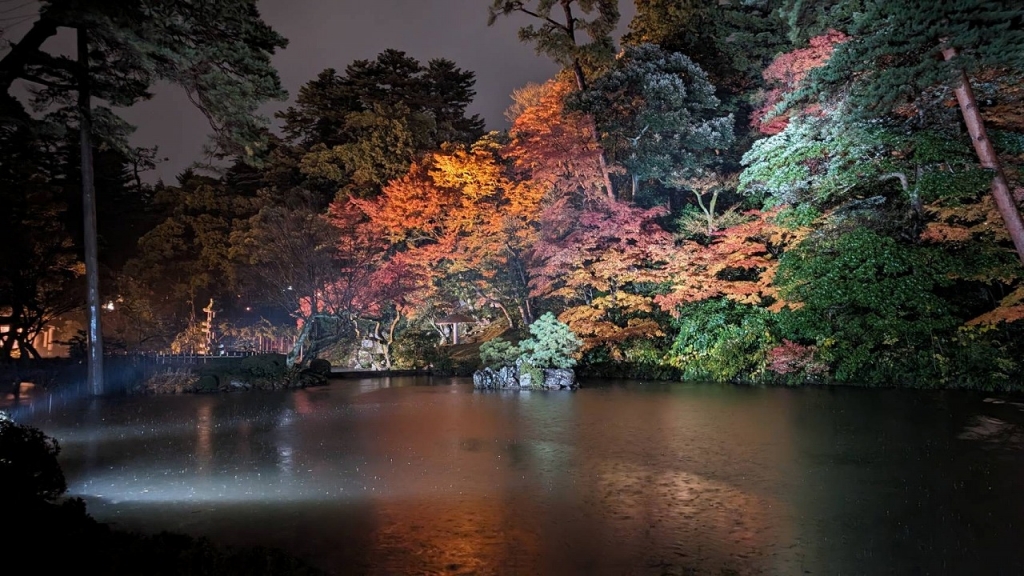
(217, 51)
(561, 40)
(658, 114)
(900, 51)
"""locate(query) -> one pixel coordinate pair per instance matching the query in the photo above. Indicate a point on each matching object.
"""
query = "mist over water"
(420, 476)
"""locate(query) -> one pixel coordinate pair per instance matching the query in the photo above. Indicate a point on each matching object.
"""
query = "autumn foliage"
(785, 74)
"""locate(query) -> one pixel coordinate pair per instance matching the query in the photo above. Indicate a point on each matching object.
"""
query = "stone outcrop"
(521, 377)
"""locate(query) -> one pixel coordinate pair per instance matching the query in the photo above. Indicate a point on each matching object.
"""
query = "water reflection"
(410, 475)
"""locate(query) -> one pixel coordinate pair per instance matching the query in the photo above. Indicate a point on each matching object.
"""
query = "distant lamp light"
(248, 309)
(109, 306)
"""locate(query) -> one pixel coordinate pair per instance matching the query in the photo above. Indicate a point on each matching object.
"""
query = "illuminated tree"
(899, 52)
(657, 114)
(602, 262)
(560, 38)
(554, 146)
(462, 215)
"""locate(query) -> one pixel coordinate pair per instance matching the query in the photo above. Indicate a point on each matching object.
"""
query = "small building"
(454, 320)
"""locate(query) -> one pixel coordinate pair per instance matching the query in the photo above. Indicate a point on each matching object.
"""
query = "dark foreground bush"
(43, 535)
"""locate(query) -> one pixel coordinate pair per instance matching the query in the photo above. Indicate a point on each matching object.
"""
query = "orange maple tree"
(553, 146)
(739, 263)
(465, 225)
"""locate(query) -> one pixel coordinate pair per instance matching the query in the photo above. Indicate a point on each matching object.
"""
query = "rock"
(523, 378)
(560, 379)
(485, 379)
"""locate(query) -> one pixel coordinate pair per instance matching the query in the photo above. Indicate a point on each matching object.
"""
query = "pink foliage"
(793, 358)
(785, 74)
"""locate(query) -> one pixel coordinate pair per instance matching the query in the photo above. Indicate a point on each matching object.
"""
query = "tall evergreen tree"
(218, 51)
(901, 51)
(360, 129)
(658, 114)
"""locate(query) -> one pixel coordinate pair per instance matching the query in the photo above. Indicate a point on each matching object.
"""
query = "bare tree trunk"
(94, 329)
(987, 155)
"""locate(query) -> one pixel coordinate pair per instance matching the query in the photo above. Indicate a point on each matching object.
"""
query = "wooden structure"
(455, 320)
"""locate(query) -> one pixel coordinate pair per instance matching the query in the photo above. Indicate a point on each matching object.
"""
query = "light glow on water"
(393, 476)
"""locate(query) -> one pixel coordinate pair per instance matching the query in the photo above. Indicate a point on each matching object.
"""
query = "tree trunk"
(987, 155)
(581, 83)
(295, 354)
(94, 329)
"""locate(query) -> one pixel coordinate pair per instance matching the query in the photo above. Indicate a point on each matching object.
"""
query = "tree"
(786, 73)
(604, 263)
(900, 51)
(558, 39)
(293, 262)
(363, 128)
(554, 146)
(460, 214)
(39, 265)
(657, 114)
(219, 52)
(731, 41)
(871, 306)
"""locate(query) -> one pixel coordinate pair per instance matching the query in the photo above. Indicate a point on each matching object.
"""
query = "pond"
(420, 476)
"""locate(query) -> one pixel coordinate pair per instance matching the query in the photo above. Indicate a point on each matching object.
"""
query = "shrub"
(497, 353)
(320, 367)
(28, 464)
(721, 340)
(265, 365)
(553, 344)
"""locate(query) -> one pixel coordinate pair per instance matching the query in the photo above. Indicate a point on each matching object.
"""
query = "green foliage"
(1008, 142)
(658, 115)
(28, 464)
(217, 51)
(358, 130)
(553, 344)
(894, 55)
(825, 160)
(815, 159)
(416, 348)
(799, 216)
(497, 353)
(265, 366)
(869, 303)
(722, 340)
(536, 375)
(982, 357)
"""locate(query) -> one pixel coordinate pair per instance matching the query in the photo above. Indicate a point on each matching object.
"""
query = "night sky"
(333, 33)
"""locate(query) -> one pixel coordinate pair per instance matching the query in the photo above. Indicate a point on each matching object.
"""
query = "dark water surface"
(413, 476)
